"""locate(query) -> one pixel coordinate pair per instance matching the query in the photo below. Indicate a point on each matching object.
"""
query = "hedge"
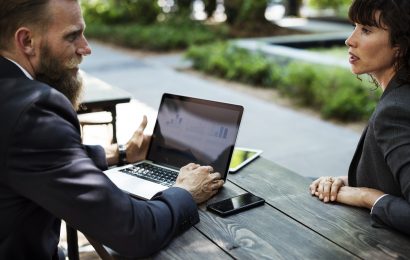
(333, 91)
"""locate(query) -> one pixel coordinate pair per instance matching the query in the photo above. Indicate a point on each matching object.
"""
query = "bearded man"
(46, 173)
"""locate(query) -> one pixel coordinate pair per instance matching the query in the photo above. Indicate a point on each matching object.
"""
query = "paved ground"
(302, 143)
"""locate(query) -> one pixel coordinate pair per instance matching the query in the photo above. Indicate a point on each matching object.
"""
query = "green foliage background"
(333, 91)
(336, 4)
(134, 23)
(121, 11)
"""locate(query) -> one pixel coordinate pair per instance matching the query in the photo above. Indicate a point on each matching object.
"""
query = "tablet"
(242, 156)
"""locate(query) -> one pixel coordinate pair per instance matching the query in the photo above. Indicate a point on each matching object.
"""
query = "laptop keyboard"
(152, 173)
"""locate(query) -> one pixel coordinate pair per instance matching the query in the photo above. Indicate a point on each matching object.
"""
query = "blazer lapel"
(355, 161)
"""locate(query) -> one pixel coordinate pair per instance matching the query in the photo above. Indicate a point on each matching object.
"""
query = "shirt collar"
(22, 69)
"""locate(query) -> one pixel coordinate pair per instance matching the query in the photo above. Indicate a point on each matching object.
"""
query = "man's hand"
(200, 181)
(137, 146)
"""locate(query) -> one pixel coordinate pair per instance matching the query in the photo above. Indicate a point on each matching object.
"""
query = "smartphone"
(241, 156)
(235, 204)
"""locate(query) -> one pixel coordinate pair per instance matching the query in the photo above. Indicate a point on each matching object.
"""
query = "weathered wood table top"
(291, 225)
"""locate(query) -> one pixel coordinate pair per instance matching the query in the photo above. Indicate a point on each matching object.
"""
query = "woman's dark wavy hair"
(395, 15)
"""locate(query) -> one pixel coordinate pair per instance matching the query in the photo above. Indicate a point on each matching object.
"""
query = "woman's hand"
(358, 197)
(336, 189)
(327, 188)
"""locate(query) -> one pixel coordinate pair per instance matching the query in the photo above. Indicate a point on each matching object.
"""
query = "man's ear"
(24, 41)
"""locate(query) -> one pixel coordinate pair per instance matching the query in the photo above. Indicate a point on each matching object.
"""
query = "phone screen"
(236, 204)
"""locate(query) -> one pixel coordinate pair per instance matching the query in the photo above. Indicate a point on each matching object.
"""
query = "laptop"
(187, 130)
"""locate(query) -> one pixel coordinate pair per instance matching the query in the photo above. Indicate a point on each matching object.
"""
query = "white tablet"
(242, 156)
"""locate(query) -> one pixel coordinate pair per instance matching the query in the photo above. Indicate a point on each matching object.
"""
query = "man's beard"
(58, 75)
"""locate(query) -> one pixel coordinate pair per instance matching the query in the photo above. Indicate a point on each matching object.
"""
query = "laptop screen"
(194, 130)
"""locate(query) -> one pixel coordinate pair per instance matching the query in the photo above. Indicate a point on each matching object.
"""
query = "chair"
(98, 118)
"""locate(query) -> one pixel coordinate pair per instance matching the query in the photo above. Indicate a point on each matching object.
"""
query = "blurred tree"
(210, 6)
(247, 18)
(329, 3)
(252, 11)
(293, 7)
(232, 8)
(184, 4)
(121, 11)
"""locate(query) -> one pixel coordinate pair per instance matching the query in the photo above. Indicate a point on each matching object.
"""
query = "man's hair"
(17, 13)
(395, 15)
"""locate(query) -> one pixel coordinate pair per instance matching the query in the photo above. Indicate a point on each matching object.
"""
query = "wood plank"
(263, 232)
(191, 245)
(347, 226)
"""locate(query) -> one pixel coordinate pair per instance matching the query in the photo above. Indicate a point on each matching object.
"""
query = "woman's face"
(370, 52)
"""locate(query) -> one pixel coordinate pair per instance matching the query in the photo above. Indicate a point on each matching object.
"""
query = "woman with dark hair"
(379, 174)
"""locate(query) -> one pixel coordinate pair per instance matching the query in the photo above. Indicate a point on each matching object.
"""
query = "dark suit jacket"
(46, 174)
(382, 158)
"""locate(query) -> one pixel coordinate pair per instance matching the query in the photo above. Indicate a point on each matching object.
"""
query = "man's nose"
(85, 48)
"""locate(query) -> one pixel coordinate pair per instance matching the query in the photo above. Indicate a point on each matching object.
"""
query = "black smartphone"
(235, 204)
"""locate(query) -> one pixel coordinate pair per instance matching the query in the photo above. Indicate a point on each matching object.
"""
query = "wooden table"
(291, 225)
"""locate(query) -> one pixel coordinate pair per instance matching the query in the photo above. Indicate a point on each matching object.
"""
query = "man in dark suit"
(46, 173)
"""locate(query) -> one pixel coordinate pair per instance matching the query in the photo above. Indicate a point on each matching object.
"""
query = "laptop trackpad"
(135, 186)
